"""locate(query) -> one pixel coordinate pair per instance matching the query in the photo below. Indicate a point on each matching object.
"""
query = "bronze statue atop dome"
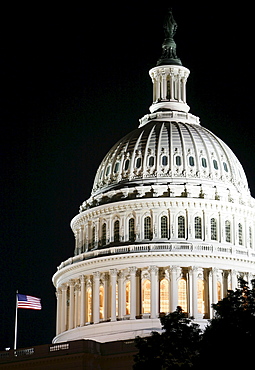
(169, 55)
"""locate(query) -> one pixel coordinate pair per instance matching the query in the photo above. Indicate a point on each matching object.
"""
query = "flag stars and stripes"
(27, 301)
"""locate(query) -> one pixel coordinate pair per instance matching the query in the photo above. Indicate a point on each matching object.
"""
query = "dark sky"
(73, 81)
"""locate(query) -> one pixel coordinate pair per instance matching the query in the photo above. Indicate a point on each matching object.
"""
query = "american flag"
(27, 301)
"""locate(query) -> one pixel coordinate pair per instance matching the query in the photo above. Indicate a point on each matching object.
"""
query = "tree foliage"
(176, 348)
(226, 341)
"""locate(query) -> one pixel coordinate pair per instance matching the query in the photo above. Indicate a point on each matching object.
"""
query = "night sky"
(73, 81)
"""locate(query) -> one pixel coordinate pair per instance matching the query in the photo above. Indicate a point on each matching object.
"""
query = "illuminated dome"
(170, 221)
(170, 148)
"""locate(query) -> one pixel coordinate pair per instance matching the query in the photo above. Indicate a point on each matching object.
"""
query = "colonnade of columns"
(134, 293)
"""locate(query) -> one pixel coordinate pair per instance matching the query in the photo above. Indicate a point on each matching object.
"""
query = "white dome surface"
(169, 152)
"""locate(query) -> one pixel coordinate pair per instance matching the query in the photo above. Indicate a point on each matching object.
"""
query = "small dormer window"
(108, 170)
(138, 162)
(225, 166)
(215, 164)
(164, 160)
(191, 161)
(204, 163)
(178, 160)
(151, 161)
(126, 165)
(116, 167)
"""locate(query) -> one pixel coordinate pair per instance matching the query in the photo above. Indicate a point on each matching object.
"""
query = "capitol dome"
(170, 148)
(170, 222)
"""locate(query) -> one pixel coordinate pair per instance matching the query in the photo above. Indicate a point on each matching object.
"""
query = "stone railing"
(201, 248)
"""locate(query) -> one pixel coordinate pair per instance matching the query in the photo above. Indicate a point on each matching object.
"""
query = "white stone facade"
(170, 221)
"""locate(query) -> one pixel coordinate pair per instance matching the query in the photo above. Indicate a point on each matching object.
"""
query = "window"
(182, 294)
(131, 229)
(213, 229)
(147, 228)
(151, 161)
(89, 305)
(200, 296)
(164, 296)
(250, 237)
(219, 290)
(146, 296)
(138, 162)
(181, 227)
(164, 227)
(101, 302)
(116, 167)
(227, 231)
(191, 161)
(178, 160)
(215, 164)
(240, 234)
(104, 234)
(198, 228)
(108, 170)
(126, 165)
(204, 163)
(127, 297)
(164, 160)
(116, 231)
(225, 166)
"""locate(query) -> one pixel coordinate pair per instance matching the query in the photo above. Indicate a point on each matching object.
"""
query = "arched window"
(127, 292)
(101, 302)
(131, 230)
(181, 227)
(108, 170)
(228, 231)
(89, 305)
(147, 227)
(213, 229)
(198, 227)
(146, 296)
(182, 294)
(240, 234)
(163, 226)
(116, 231)
(200, 296)
(225, 166)
(104, 234)
(164, 295)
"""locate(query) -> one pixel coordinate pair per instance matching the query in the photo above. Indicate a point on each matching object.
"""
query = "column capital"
(132, 270)
(96, 275)
(113, 272)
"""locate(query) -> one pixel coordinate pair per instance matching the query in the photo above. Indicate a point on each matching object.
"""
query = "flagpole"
(16, 322)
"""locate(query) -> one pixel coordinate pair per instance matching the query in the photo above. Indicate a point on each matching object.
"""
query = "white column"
(113, 282)
(210, 295)
(59, 309)
(71, 305)
(83, 290)
(154, 292)
(175, 272)
(121, 296)
(132, 272)
(163, 85)
(64, 308)
(234, 283)
(214, 285)
(95, 294)
(193, 272)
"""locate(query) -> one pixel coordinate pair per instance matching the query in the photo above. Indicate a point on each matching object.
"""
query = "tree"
(230, 335)
(177, 347)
